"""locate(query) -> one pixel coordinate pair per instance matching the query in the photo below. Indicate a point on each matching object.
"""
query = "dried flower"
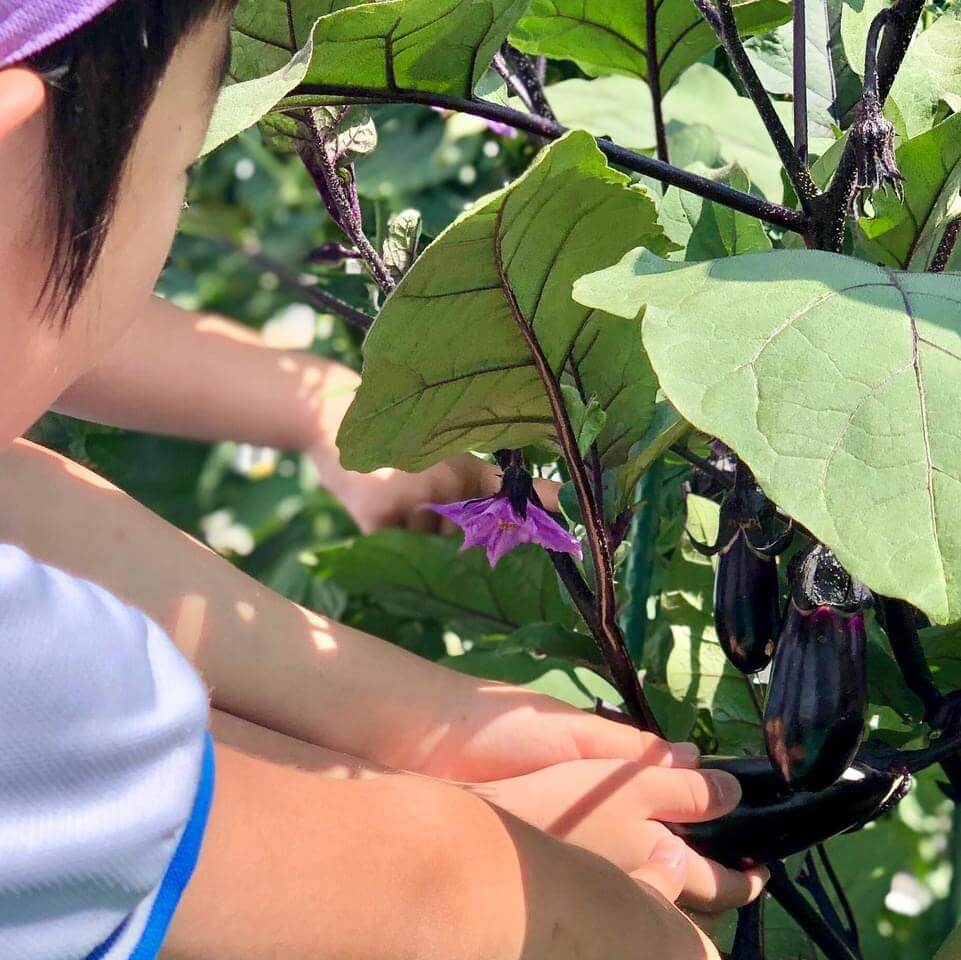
(873, 137)
(508, 519)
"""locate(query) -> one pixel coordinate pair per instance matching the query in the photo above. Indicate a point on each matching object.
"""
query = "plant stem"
(719, 476)
(326, 175)
(654, 82)
(800, 69)
(782, 888)
(529, 75)
(504, 71)
(720, 18)
(317, 296)
(749, 936)
(773, 213)
(909, 655)
(810, 880)
(830, 210)
(842, 897)
(946, 247)
(608, 634)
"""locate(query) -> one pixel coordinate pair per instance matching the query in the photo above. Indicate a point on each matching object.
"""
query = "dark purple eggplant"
(814, 716)
(747, 609)
(762, 829)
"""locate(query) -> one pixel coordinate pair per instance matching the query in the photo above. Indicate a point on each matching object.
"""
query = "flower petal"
(546, 531)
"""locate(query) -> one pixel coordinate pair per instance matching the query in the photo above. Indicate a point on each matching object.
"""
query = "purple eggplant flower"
(508, 519)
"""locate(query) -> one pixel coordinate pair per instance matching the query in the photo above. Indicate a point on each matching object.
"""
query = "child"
(113, 840)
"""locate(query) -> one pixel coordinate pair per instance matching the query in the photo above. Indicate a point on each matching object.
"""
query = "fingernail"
(670, 851)
(726, 788)
(685, 754)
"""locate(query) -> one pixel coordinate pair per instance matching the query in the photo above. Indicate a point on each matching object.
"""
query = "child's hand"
(612, 808)
(392, 498)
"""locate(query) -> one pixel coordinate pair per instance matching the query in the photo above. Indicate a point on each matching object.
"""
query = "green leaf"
(907, 235)
(833, 83)
(667, 428)
(438, 46)
(447, 368)
(708, 230)
(837, 381)
(930, 75)
(403, 237)
(703, 99)
(243, 104)
(577, 686)
(426, 577)
(610, 36)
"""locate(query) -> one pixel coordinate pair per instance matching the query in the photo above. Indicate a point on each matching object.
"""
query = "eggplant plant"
(719, 299)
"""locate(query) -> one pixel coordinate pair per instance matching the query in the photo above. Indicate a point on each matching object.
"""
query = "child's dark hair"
(101, 81)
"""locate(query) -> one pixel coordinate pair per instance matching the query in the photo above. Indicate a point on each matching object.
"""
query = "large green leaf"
(907, 235)
(610, 36)
(928, 85)
(837, 381)
(348, 49)
(426, 577)
(702, 98)
(446, 366)
(833, 83)
(707, 230)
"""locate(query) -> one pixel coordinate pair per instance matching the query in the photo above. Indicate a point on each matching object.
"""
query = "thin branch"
(529, 74)
(782, 888)
(800, 69)
(719, 476)
(327, 177)
(503, 69)
(654, 82)
(608, 635)
(773, 213)
(810, 879)
(720, 18)
(830, 211)
(289, 278)
(749, 935)
(946, 247)
(838, 888)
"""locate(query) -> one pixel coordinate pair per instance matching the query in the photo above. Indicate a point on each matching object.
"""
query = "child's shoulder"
(103, 753)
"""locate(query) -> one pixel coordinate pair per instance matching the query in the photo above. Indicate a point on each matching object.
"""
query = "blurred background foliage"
(248, 249)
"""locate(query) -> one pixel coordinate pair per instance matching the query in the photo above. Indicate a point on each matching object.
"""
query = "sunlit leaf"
(837, 381)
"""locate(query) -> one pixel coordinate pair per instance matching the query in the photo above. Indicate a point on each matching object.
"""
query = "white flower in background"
(245, 168)
(325, 326)
(255, 462)
(225, 535)
(294, 328)
(908, 896)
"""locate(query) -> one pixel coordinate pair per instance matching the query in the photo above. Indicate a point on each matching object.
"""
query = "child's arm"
(305, 867)
(275, 663)
(207, 378)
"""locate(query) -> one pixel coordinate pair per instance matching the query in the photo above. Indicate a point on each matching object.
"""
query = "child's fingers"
(711, 888)
(684, 796)
(666, 868)
(598, 739)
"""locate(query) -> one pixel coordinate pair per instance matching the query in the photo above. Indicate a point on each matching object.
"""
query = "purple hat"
(28, 26)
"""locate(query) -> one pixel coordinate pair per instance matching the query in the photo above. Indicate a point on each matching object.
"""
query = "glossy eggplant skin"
(747, 609)
(760, 831)
(814, 716)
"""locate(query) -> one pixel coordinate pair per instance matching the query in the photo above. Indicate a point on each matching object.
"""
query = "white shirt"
(105, 770)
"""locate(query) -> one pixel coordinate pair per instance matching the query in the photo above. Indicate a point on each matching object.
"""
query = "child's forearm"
(263, 657)
(207, 378)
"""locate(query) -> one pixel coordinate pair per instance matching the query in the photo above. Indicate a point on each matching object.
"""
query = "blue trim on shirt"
(182, 866)
(178, 873)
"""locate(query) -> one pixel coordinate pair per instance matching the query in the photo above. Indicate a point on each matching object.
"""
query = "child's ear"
(22, 94)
